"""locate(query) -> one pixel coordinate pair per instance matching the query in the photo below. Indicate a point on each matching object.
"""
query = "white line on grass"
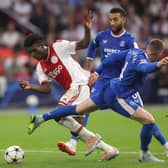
(57, 151)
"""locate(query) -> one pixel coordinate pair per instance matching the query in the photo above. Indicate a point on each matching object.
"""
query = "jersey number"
(123, 69)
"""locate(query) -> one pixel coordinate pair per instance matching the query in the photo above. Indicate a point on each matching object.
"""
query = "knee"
(143, 116)
(149, 120)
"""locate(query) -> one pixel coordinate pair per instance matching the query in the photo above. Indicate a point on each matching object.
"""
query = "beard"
(117, 29)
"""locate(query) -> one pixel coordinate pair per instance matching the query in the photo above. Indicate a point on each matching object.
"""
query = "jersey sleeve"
(144, 66)
(132, 42)
(66, 46)
(42, 77)
(91, 52)
(112, 59)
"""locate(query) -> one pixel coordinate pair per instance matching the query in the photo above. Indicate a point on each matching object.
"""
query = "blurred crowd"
(62, 19)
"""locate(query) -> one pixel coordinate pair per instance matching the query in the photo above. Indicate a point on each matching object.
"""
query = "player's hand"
(162, 62)
(88, 19)
(93, 78)
(25, 85)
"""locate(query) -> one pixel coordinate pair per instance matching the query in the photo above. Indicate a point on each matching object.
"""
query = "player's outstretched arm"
(87, 26)
(43, 88)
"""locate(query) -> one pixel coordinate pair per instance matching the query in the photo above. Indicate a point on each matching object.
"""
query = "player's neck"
(118, 34)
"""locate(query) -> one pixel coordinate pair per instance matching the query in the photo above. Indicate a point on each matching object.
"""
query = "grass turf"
(40, 148)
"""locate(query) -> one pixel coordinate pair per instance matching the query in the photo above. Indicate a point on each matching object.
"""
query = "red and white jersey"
(60, 66)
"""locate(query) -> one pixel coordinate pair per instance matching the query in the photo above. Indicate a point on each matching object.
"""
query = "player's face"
(38, 51)
(117, 22)
(155, 56)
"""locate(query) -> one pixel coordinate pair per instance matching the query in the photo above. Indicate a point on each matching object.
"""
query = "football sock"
(85, 134)
(75, 138)
(73, 143)
(85, 120)
(84, 124)
(158, 135)
(60, 112)
(103, 146)
(146, 136)
(70, 123)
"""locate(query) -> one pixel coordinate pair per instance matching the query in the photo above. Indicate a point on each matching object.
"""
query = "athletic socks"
(73, 137)
(158, 134)
(60, 112)
(146, 136)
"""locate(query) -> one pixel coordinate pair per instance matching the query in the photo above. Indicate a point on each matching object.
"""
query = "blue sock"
(158, 134)
(146, 136)
(84, 124)
(86, 120)
(60, 112)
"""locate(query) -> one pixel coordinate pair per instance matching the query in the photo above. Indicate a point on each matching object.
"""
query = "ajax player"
(56, 63)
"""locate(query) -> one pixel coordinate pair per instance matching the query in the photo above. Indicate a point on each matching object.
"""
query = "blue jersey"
(136, 67)
(121, 94)
(113, 64)
(108, 44)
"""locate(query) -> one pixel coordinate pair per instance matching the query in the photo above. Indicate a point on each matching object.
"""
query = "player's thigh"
(99, 85)
(126, 107)
(143, 116)
(86, 106)
(129, 108)
(75, 95)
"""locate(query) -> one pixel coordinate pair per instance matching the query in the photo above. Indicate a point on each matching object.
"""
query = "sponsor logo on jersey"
(94, 41)
(122, 43)
(105, 41)
(109, 51)
(93, 90)
(54, 59)
(53, 74)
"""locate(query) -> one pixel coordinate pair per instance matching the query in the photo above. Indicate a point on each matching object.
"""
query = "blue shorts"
(124, 106)
(97, 92)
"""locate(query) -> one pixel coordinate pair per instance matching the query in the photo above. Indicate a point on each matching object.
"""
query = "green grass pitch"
(41, 151)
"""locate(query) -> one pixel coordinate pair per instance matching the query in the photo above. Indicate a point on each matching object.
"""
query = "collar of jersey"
(118, 35)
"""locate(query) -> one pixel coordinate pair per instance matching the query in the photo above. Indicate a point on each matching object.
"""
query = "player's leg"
(73, 96)
(157, 133)
(74, 139)
(88, 137)
(82, 108)
(146, 134)
(85, 107)
(70, 146)
(129, 108)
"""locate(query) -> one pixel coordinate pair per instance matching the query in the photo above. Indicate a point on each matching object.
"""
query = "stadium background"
(62, 19)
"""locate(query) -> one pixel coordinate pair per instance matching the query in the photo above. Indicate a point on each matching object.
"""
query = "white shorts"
(75, 95)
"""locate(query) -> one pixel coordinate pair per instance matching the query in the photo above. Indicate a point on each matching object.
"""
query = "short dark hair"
(32, 39)
(119, 10)
(156, 45)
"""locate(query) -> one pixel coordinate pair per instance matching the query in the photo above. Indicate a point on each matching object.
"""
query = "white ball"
(14, 154)
(32, 100)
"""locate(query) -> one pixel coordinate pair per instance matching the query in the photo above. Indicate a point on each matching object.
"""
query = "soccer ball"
(32, 100)
(14, 154)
